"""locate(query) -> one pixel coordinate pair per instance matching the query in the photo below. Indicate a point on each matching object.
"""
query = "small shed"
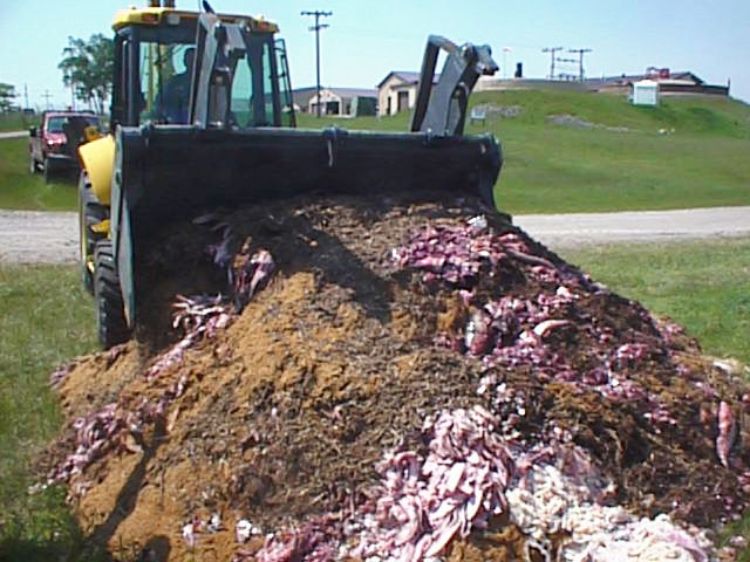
(344, 102)
(645, 92)
(398, 91)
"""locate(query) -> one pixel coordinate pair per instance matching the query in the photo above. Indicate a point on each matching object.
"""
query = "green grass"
(552, 169)
(704, 286)
(19, 189)
(45, 319)
(717, 115)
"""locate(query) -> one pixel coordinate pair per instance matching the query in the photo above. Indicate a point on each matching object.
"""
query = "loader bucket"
(168, 173)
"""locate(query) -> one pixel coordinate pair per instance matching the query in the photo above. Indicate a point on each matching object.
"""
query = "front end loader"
(237, 143)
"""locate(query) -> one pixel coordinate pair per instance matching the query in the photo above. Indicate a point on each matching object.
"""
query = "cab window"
(165, 72)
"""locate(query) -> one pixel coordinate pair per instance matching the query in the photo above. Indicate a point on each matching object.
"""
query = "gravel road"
(34, 237)
(571, 230)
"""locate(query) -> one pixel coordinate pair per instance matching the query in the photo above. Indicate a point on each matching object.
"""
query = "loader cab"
(157, 62)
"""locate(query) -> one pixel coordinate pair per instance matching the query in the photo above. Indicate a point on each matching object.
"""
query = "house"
(398, 91)
(339, 102)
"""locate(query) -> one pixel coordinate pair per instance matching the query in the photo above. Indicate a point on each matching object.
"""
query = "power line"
(580, 52)
(552, 51)
(316, 28)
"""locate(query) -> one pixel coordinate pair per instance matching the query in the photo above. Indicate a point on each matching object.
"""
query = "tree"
(7, 95)
(88, 66)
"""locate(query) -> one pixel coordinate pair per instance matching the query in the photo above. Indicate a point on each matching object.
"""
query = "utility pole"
(552, 51)
(46, 97)
(316, 28)
(26, 96)
(580, 60)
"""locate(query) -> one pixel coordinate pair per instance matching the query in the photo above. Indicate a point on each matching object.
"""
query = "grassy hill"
(717, 116)
(609, 155)
(564, 152)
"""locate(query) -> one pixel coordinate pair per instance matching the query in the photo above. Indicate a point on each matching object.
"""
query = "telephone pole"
(552, 51)
(580, 60)
(46, 97)
(317, 14)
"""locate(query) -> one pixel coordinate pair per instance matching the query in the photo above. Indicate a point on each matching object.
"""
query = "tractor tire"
(112, 328)
(90, 213)
(47, 171)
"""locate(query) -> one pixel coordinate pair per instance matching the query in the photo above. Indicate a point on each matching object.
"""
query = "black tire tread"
(47, 171)
(91, 213)
(112, 327)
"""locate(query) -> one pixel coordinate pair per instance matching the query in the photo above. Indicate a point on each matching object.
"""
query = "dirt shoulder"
(38, 237)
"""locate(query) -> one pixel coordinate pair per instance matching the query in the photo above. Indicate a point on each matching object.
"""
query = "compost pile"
(396, 379)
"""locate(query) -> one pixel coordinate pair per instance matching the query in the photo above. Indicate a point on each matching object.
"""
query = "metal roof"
(353, 92)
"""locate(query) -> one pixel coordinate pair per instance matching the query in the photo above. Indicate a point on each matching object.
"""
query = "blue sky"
(368, 39)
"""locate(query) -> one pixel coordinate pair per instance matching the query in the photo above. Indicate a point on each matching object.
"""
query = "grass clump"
(703, 286)
(16, 121)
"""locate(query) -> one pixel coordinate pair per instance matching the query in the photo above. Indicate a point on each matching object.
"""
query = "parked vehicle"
(53, 145)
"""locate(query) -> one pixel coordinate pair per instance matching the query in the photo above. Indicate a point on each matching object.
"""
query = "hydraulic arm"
(441, 108)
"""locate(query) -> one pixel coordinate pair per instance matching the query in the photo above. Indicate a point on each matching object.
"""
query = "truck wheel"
(110, 311)
(90, 213)
(47, 171)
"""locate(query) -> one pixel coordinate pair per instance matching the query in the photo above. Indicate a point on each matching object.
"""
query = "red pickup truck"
(51, 147)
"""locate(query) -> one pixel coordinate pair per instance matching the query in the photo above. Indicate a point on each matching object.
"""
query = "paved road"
(563, 231)
(14, 134)
(33, 237)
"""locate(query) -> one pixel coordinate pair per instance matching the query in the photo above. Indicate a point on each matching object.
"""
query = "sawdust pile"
(405, 380)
